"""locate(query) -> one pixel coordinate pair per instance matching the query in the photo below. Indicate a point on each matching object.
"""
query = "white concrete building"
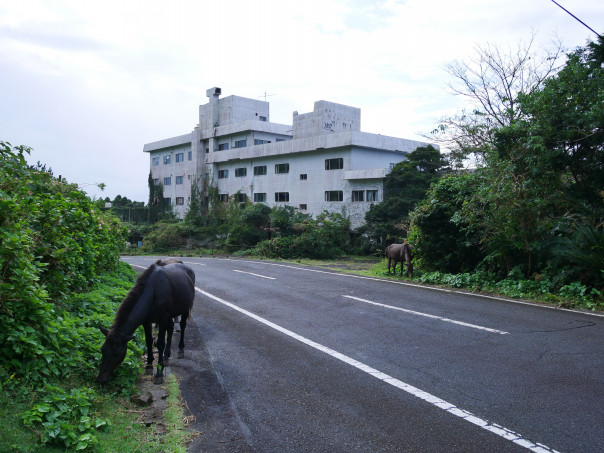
(321, 162)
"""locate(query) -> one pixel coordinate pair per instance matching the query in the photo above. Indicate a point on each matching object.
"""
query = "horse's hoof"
(181, 354)
(159, 380)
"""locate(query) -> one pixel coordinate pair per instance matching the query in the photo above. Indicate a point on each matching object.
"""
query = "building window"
(280, 140)
(168, 181)
(168, 159)
(303, 207)
(180, 157)
(262, 118)
(257, 141)
(260, 198)
(155, 161)
(281, 197)
(372, 195)
(168, 201)
(156, 182)
(207, 150)
(260, 170)
(180, 201)
(179, 180)
(240, 172)
(240, 143)
(222, 174)
(223, 146)
(334, 164)
(357, 195)
(223, 197)
(190, 156)
(303, 177)
(334, 195)
(240, 197)
(281, 168)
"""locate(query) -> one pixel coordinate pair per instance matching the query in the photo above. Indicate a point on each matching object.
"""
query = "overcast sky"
(87, 83)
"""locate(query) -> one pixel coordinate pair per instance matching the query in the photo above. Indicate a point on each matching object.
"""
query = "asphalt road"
(292, 358)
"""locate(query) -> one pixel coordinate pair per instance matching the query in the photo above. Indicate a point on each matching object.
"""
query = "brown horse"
(400, 253)
(164, 291)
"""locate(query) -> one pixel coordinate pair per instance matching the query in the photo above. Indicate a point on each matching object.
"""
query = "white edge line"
(427, 315)
(414, 391)
(255, 275)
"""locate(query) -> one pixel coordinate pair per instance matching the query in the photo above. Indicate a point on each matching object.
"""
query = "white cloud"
(86, 84)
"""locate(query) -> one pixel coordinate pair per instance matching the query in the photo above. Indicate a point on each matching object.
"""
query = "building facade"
(321, 162)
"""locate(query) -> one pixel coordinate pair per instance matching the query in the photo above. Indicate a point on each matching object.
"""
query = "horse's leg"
(181, 343)
(161, 344)
(149, 342)
(169, 331)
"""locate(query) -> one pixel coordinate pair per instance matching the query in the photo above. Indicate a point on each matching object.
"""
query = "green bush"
(52, 242)
(324, 238)
(65, 418)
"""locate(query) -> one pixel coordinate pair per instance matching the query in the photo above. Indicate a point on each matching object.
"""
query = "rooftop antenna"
(265, 95)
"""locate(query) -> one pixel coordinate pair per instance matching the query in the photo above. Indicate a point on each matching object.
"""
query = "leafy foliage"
(325, 237)
(534, 210)
(54, 243)
(65, 418)
(404, 188)
(444, 240)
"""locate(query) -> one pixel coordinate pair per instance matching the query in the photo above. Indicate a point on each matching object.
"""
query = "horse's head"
(114, 351)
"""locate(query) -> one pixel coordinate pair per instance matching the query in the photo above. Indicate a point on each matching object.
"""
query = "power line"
(598, 34)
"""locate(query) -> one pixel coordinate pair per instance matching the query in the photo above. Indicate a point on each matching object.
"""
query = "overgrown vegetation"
(531, 211)
(60, 278)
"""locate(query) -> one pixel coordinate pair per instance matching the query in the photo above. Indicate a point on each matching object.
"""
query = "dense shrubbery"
(532, 213)
(54, 244)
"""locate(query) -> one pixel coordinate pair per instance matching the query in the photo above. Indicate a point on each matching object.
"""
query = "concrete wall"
(326, 117)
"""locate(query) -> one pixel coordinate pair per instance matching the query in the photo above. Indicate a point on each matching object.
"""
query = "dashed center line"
(427, 315)
(425, 396)
(255, 275)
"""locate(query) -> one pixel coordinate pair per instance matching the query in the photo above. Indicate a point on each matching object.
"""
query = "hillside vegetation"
(60, 278)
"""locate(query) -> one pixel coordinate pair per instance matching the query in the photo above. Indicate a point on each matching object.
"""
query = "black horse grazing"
(164, 291)
(400, 253)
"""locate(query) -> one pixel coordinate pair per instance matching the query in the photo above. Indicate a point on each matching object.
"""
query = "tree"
(492, 81)
(556, 156)
(543, 171)
(159, 207)
(444, 241)
(404, 187)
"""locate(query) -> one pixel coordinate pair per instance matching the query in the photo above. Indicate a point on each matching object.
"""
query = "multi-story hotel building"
(321, 162)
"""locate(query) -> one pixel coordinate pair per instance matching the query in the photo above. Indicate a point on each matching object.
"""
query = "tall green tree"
(544, 172)
(443, 239)
(404, 187)
(555, 158)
